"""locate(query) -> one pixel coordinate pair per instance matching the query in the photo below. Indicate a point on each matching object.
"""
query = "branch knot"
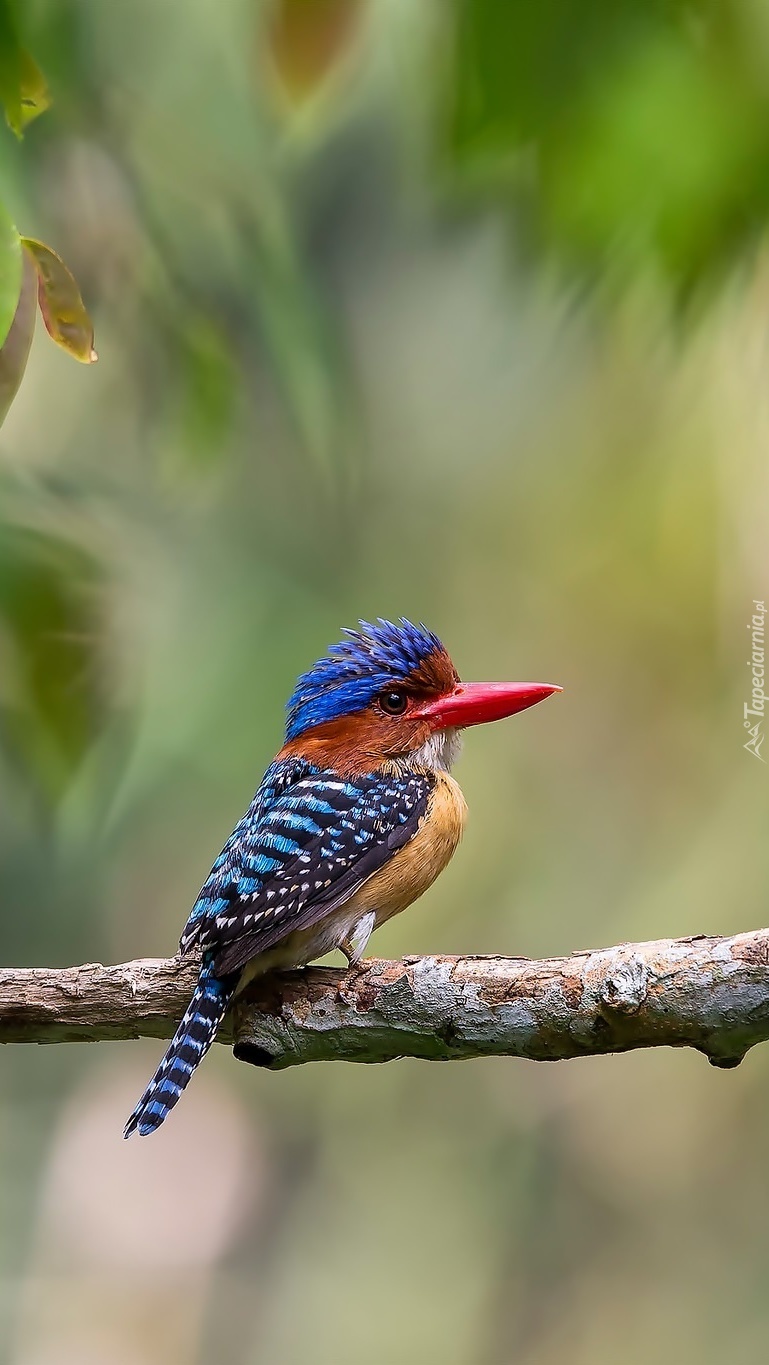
(625, 989)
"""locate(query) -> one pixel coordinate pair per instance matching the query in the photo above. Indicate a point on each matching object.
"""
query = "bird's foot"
(353, 947)
(356, 967)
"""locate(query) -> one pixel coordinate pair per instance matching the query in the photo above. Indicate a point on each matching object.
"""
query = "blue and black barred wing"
(301, 855)
(241, 857)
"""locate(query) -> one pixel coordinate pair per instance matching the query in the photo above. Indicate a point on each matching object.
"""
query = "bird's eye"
(393, 701)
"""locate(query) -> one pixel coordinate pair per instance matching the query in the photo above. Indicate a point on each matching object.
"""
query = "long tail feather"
(188, 1047)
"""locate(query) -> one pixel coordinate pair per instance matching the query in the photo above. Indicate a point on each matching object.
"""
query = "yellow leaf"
(23, 91)
(306, 40)
(35, 96)
(63, 310)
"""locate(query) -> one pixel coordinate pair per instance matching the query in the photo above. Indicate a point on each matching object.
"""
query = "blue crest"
(355, 670)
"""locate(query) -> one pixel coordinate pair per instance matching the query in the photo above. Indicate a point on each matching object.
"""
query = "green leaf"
(63, 310)
(23, 90)
(301, 344)
(10, 273)
(634, 132)
(51, 686)
(34, 92)
(209, 387)
(15, 350)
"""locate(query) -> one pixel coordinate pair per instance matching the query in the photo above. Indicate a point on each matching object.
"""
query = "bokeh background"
(452, 310)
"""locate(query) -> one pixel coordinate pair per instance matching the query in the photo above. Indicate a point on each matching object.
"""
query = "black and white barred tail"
(188, 1047)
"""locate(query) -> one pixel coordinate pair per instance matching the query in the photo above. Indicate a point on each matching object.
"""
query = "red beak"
(475, 703)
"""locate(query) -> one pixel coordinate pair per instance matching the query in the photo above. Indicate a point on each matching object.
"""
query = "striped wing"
(299, 855)
(241, 853)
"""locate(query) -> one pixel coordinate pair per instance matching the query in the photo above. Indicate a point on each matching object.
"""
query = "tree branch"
(708, 993)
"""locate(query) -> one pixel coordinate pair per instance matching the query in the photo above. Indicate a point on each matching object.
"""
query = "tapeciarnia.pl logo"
(753, 711)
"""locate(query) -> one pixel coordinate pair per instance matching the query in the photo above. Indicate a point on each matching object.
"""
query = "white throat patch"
(439, 751)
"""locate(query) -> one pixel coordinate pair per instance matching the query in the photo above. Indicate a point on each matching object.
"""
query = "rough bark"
(708, 993)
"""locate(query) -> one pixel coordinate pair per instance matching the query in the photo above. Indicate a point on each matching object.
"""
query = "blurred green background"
(459, 311)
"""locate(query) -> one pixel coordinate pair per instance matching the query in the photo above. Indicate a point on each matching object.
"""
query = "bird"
(353, 820)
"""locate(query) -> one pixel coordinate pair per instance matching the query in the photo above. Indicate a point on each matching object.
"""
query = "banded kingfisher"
(353, 820)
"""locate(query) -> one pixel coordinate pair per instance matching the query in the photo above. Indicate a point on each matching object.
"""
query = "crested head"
(389, 693)
(353, 674)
